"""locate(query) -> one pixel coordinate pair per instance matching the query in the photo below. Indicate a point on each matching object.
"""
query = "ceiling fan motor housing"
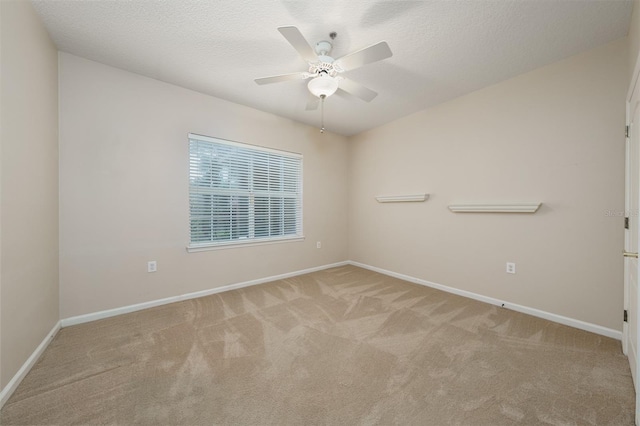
(324, 66)
(323, 47)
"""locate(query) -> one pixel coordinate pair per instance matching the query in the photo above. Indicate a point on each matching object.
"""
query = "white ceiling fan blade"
(357, 89)
(312, 104)
(297, 40)
(376, 52)
(282, 77)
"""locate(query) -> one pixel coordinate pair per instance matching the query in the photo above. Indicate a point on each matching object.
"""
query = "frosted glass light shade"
(323, 85)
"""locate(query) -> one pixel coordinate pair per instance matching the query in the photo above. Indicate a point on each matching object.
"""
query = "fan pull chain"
(322, 113)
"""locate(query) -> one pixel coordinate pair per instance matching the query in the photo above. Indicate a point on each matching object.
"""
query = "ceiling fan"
(324, 71)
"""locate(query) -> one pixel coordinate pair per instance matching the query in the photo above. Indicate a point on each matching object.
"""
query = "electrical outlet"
(152, 266)
(511, 268)
(319, 244)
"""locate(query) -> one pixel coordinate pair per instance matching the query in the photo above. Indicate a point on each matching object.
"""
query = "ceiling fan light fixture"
(323, 85)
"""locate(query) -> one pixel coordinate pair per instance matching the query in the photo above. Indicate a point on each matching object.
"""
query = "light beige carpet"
(344, 346)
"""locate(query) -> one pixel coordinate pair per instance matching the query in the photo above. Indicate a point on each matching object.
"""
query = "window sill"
(236, 244)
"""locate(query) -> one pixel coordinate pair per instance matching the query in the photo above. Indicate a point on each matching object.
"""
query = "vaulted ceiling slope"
(441, 49)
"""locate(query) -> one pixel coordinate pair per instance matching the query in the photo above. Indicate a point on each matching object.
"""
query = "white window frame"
(252, 239)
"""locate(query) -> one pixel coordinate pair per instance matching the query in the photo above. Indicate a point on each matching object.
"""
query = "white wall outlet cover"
(152, 266)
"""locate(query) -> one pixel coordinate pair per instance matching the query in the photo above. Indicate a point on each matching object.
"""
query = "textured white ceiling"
(441, 49)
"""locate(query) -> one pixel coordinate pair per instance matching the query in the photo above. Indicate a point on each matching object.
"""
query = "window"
(242, 194)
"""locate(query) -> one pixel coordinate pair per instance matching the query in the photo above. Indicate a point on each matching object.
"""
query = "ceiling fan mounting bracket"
(323, 47)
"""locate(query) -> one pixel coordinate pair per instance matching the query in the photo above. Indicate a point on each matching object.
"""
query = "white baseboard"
(80, 319)
(8, 390)
(604, 331)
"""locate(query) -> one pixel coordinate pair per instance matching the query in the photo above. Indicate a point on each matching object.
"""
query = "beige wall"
(124, 190)
(634, 37)
(28, 186)
(553, 135)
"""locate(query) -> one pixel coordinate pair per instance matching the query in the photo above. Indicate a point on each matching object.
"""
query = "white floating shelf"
(415, 198)
(495, 208)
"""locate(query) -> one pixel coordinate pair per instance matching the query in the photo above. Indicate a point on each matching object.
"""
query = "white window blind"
(242, 193)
